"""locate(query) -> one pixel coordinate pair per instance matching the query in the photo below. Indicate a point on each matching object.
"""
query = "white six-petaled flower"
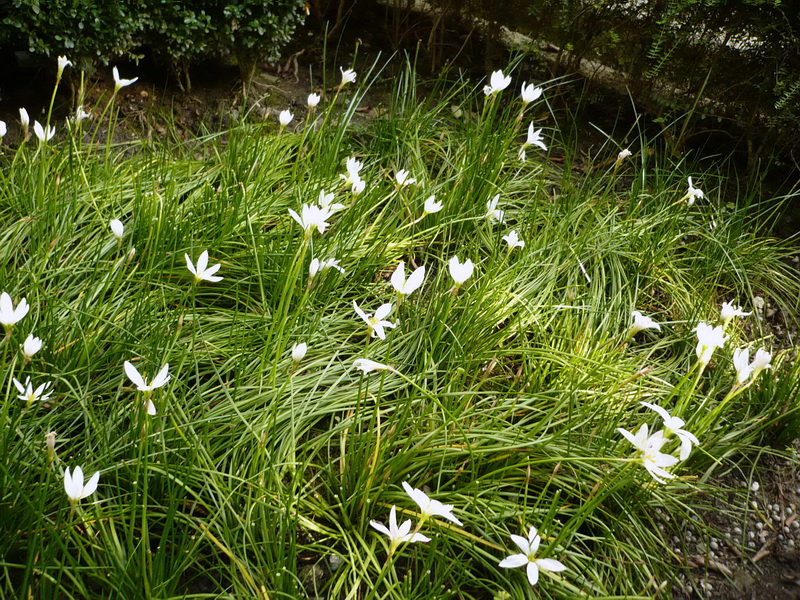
(398, 535)
(530, 93)
(741, 362)
(74, 487)
(30, 394)
(318, 265)
(729, 310)
(640, 323)
(402, 178)
(692, 193)
(762, 360)
(117, 228)
(494, 214)
(63, 63)
(674, 425)
(432, 206)
(3, 129)
(459, 271)
(429, 507)
(9, 315)
(650, 455)
(326, 202)
(202, 271)
(377, 323)
(313, 100)
(708, 339)
(285, 117)
(407, 286)
(367, 366)
(313, 218)
(348, 76)
(120, 83)
(31, 346)
(161, 378)
(534, 138)
(513, 241)
(299, 352)
(497, 83)
(45, 134)
(527, 557)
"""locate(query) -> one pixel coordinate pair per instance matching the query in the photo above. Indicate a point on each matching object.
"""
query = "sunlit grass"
(259, 475)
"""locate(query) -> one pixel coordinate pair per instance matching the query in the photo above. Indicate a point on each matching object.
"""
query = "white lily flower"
(403, 179)
(429, 507)
(150, 408)
(353, 167)
(729, 310)
(31, 346)
(45, 134)
(708, 339)
(299, 352)
(63, 63)
(285, 117)
(650, 455)
(513, 241)
(161, 378)
(527, 557)
(624, 154)
(693, 194)
(318, 265)
(202, 271)
(3, 129)
(117, 228)
(674, 425)
(358, 186)
(24, 119)
(762, 360)
(313, 100)
(377, 323)
(348, 76)
(497, 83)
(403, 286)
(28, 394)
(81, 115)
(741, 362)
(640, 323)
(367, 365)
(398, 535)
(9, 315)
(530, 93)
(314, 218)
(326, 202)
(494, 214)
(73, 484)
(432, 206)
(534, 139)
(121, 83)
(460, 272)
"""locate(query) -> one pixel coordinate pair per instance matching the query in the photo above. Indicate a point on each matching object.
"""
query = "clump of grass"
(259, 475)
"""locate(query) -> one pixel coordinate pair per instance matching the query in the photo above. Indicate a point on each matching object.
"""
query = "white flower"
(314, 217)
(203, 271)
(299, 352)
(429, 507)
(81, 115)
(325, 201)
(73, 484)
(762, 360)
(358, 186)
(313, 100)
(513, 241)
(376, 323)
(63, 63)
(29, 394)
(494, 214)
(692, 193)
(161, 378)
(368, 365)
(150, 407)
(650, 455)
(708, 339)
(530, 93)
(403, 179)
(348, 76)
(285, 117)
(460, 272)
(534, 138)
(729, 310)
(3, 129)
(117, 228)
(353, 171)
(45, 134)
(526, 558)
(641, 322)
(318, 265)
(121, 83)
(31, 346)
(24, 119)
(497, 83)
(675, 425)
(624, 154)
(741, 362)
(404, 286)
(398, 535)
(432, 206)
(9, 315)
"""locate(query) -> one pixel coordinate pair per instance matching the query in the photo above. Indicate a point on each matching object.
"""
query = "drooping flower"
(530, 93)
(318, 265)
(692, 194)
(762, 360)
(117, 228)
(403, 286)
(30, 395)
(708, 339)
(402, 178)
(674, 425)
(73, 484)
(285, 117)
(459, 271)
(432, 206)
(299, 352)
(367, 366)
(640, 323)
(376, 323)
(9, 315)
(121, 83)
(63, 63)
(348, 76)
(398, 535)
(527, 557)
(313, 100)
(729, 310)
(650, 455)
(497, 83)
(494, 214)
(314, 218)
(31, 346)
(430, 507)
(202, 271)
(513, 241)
(45, 134)
(161, 378)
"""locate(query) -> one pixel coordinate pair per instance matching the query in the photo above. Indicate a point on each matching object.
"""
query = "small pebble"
(753, 504)
(759, 525)
(754, 486)
(780, 537)
(795, 524)
(788, 510)
(737, 530)
(751, 544)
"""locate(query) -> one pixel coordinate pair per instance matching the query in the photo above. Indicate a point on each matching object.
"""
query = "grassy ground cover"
(248, 468)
